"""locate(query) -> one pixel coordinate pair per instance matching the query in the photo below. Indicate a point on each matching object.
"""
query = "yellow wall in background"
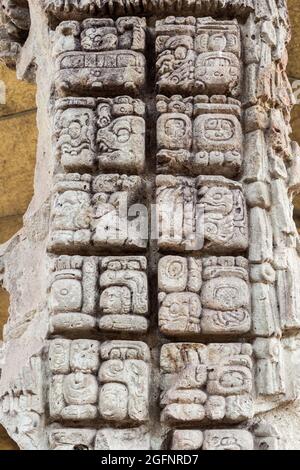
(18, 136)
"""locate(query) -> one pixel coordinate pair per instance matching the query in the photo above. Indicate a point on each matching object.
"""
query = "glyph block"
(90, 380)
(105, 55)
(206, 214)
(198, 56)
(109, 293)
(103, 134)
(199, 135)
(206, 382)
(203, 296)
(91, 214)
(216, 439)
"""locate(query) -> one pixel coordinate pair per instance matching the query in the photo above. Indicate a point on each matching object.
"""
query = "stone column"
(154, 288)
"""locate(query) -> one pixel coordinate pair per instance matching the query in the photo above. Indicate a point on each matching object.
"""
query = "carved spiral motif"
(175, 269)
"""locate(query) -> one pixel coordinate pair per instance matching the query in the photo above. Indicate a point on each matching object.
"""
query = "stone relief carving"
(217, 439)
(199, 135)
(205, 213)
(124, 294)
(103, 55)
(73, 293)
(74, 129)
(109, 293)
(263, 438)
(206, 382)
(100, 134)
(198, 56)
(22, 404)
(89, 211)
(105, 439)
(90, 380)
(73, 392)
(227, 255)
(208, 296)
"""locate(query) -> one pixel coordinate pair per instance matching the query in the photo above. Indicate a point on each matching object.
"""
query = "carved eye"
(218, 196)
(103, 121)
(64, 291)
(123, 135)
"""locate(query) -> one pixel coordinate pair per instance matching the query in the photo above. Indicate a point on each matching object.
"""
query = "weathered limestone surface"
(206, 138)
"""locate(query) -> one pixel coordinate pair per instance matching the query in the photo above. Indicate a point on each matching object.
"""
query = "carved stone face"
(75, 129)
(218, 200)
(174, 131)
(79, 389)
(116, 134)
(84, 355)
(218, 129)
(121, 142)
(73, 125)
(115, 300)
(180, 312)
(113, 401)
(218, 72)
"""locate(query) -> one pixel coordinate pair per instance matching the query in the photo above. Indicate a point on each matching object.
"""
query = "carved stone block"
(72, 373)
(203, 296)
(104, 439)
(74, 129)
(125, 439)
(73, 293)
(265, 312)
(199, 135)
(86, 292)
(217, 439)
(89, 379)
(90, 214)
(124, 294)
(120, 134)
(260, 236)
(71, 207)
(269, 375)
(72, 439)
(107, 57)
(268, 438)
(202, 214)
(288, 294)
(218, 49)
(225, 296)
(100, 134)
(206, 383)
(73, 392)
(198, 56)
(124, 378)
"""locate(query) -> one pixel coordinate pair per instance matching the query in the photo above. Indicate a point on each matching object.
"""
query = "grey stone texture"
(182, 333)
